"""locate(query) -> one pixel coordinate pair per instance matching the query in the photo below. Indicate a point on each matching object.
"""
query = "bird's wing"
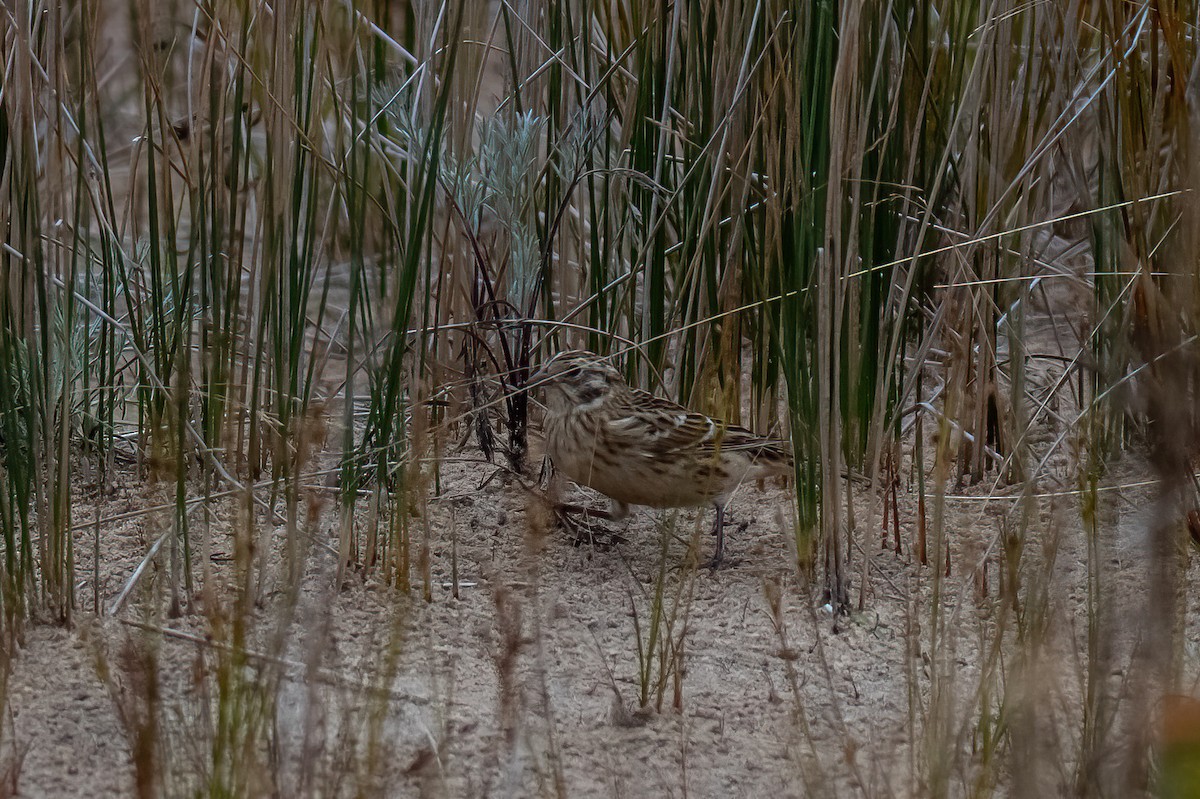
(658, 427)
(661, 427)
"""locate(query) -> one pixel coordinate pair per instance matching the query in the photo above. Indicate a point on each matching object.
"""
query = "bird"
(639, 449)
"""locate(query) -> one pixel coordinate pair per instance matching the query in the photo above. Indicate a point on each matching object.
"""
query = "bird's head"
(576, 380)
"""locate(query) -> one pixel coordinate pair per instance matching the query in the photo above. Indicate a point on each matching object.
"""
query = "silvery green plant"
(502, 184)
(397, 107)
(524, 263)
(508, 165)
(498, 185)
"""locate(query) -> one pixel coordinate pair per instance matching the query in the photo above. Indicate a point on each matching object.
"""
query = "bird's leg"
(719, 531)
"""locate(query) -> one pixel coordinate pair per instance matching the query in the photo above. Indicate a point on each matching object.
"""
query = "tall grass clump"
(179, 215)
(43, 346)
(262, 262)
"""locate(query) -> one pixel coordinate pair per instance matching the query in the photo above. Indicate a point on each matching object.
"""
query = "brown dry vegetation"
(274, 513)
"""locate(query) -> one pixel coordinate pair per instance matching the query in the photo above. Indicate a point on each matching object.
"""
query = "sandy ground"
(528, 682)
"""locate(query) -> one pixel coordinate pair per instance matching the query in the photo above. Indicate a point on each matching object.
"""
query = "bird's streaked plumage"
(638, 449)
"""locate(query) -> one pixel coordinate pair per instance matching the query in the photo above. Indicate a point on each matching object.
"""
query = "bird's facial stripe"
(590, 396)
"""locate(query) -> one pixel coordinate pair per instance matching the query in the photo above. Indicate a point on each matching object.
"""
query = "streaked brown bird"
(638, 449)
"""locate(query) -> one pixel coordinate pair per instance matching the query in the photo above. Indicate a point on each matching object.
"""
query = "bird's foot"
(577, 520)
(720, 561)
(597, 538)
(566, 508)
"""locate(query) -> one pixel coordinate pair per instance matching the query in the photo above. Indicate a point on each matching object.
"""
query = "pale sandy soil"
(528, 680)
